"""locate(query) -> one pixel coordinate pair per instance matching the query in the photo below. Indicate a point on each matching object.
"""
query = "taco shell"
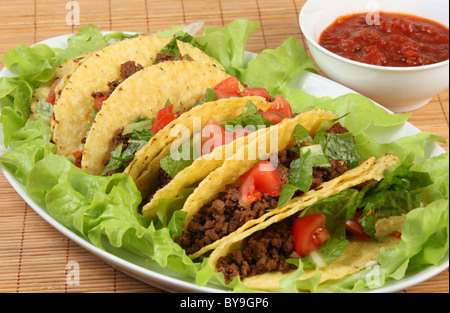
(144, 167)
(357, 255)
(264, 142)
(183, 83)
(62, 73)
(73, 112)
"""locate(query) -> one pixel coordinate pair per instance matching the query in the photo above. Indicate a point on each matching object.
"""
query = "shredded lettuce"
(250, 116)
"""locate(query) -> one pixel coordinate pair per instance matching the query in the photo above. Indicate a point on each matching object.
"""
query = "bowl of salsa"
(395, 52)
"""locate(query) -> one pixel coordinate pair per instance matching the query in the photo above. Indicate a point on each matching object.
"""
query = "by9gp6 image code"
(223, 303)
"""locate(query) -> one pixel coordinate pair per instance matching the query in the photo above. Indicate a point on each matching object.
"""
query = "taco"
(264, 255)
(243, 192)
(164, 89)
(230, 124)
(146, 169)
(218, 111)
(96, 79)
(139, 147)
(51, 90)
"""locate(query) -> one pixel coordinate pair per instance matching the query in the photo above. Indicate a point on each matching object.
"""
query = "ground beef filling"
(225, 215)
(321, 175)
(126, 70)
(163, 57)
(221, 217)
(265, 251)
(163, 178)
(129, 68)
(116, 141)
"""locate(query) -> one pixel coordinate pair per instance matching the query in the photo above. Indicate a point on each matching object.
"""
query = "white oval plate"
(162, 278)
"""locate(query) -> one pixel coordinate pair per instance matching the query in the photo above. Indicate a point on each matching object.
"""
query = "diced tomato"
(273, 117)
(279, 110)
(260, 179)
(78, 156)
(51, 95)
(355, 227)
(163, 118)
(228, 88)
(98, 101)
(309, 233)
(213, 136)
(397, 234)
(282, 107)
(257, 92)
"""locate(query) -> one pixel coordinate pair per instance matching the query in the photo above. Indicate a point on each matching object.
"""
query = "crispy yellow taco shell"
(144, 167)
(356, 256)
(73, 112)
(183, 83)
(62, 75)
(260, 146)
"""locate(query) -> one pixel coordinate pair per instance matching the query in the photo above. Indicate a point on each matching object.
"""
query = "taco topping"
(163, 57)
(231, 87)
(279, 110)
(163, 178)
(259, 92)
(164, 117)
(222, 217)
(214, 136)
(353, 226)
(78, 157)
(261, 179)
(227, 213)
(265, 251)
(268, 249)
(309, 233)
(129, 68)
(51, 98)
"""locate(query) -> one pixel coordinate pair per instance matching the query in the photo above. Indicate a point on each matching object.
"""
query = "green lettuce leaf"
(437, 168)
(425, 238)
(15, 98)
(359, 113)
(249, 117)
(275, 69)
(227, 44)
(168, 206)
(88, 38)
(33, 63)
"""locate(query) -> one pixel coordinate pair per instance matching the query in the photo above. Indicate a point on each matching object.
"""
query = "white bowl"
(400, 89)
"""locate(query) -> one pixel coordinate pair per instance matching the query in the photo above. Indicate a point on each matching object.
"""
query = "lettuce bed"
(106, 208)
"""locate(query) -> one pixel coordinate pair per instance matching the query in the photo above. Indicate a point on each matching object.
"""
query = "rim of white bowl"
(361, 64)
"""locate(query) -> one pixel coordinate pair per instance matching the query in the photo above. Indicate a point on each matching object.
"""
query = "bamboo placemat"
(33, 255)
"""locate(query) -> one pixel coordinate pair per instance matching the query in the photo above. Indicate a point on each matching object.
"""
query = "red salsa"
(396, 40)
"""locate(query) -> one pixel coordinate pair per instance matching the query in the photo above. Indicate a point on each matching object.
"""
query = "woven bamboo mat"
(33, 255)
